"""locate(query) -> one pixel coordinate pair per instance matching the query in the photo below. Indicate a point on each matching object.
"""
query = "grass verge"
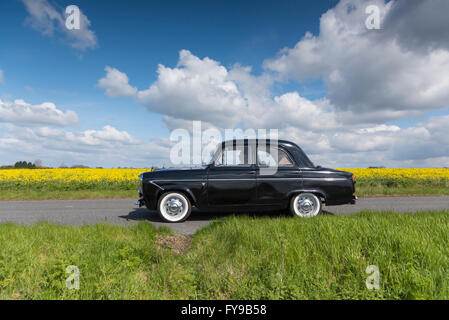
(30, 194)
(417, 190)
(238, 257)
(397, 187)
(60, 191)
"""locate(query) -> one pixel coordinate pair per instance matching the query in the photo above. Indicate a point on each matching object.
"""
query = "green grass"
(395, 187)
(30, 194)
(238, 257)
(381, 190)
(55, 191)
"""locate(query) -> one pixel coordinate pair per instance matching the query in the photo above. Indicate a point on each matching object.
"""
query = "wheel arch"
(318, 192)
(183, 189)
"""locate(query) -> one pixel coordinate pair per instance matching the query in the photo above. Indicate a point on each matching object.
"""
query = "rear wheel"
(305, 205)
(174, 207)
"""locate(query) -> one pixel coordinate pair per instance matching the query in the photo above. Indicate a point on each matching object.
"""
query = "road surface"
(124, 212)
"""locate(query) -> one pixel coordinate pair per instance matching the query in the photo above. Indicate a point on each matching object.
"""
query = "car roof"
(284, 143)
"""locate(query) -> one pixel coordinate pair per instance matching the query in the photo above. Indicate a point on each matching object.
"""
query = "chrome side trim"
(175, 180)
(326, 179)
(155, 184)
(228, 179)
(271, 179)
(246, 179)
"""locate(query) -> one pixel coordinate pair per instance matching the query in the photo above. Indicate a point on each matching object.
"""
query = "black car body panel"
(243, 187)
(190, 181)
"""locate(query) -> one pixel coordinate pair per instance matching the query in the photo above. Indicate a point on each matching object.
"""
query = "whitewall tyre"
(174, 207)
(305, 205)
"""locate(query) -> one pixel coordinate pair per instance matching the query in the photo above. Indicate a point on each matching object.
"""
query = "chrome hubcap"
(174, 206)
(307, 205)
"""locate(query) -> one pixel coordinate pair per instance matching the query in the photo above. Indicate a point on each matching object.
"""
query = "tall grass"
(238, 257)
(114, 262)
(68, 190)
(326, 257)
(402, 186)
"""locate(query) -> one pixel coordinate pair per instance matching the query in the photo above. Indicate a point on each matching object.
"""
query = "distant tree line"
(37, 164)
(24, 165)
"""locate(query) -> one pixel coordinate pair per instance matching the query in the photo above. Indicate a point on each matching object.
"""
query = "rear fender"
(317, 192)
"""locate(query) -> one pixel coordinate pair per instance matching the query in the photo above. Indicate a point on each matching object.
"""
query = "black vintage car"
(247, 175)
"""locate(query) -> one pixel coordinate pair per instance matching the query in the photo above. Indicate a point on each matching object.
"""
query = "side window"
(232, 156)
(265, 158)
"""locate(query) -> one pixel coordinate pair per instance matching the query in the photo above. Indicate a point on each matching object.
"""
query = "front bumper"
(141, 201)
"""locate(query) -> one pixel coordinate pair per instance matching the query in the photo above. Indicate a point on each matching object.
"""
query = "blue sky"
(297, 67)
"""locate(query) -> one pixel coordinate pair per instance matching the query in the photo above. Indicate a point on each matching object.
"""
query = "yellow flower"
(70, 175)
(418, 174)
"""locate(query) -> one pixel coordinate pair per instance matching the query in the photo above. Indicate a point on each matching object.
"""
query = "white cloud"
(289, 109)
(48, 20)
(371, 72)
(107, 147)
(89, 138)
(20, 112)
(392, 146)
(379, 128)
(293, 110)
(109, 134)
(177, 123)
(417, 146)
(419, 25)
(116, 84)
(202, 89)
(195, 89)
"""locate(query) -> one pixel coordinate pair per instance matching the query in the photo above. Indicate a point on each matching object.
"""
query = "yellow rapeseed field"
(70, 175)
(418, 174)
(119, 176)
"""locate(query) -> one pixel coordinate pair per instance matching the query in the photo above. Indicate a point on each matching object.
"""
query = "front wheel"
(305, 205)
(174, 207)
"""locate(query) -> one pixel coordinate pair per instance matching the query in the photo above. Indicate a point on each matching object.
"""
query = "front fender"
(180, 188)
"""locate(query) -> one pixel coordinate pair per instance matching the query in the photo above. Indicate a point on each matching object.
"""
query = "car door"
(232, 177)
(274, 186)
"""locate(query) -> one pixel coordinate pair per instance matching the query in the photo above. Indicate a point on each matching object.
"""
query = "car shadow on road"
(143, 214)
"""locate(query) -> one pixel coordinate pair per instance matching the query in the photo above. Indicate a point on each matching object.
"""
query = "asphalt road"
(124, 211)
